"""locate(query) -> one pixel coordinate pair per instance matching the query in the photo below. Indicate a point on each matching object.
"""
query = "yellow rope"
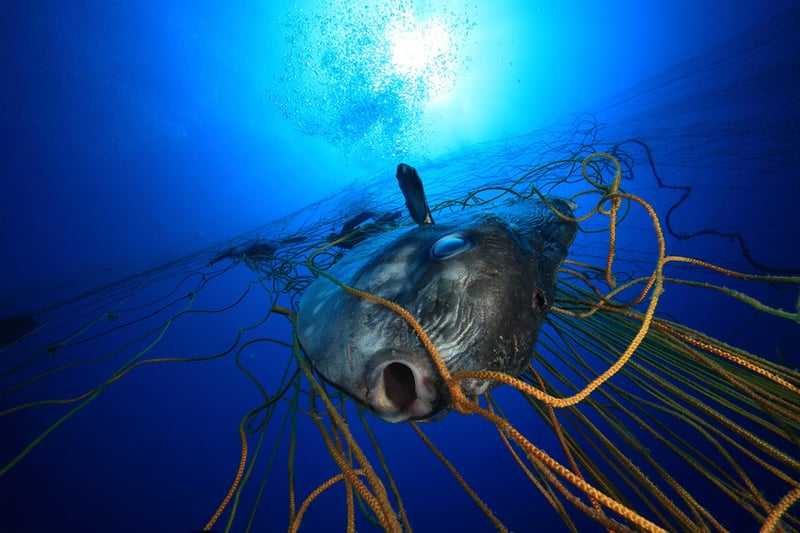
(546, 491)
(379, 501)
(392, 485)
(350, 504)
(771, 523)
(560, 434)
(564, 472)
(295, 524)
(488, 512)
(611, 192)
(235, 484)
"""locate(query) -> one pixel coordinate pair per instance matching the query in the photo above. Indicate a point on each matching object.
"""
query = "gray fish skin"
(414, 193)
(481, 303)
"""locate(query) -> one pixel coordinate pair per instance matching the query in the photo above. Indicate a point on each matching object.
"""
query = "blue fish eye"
(449, 246)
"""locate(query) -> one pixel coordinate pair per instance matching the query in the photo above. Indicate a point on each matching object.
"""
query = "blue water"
(133, 134)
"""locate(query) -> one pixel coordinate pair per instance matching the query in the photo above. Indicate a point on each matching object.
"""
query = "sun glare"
(422, 51)
(375, 77)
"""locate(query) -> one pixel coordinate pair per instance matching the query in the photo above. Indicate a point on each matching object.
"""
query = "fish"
(348, 239)
(480, 286)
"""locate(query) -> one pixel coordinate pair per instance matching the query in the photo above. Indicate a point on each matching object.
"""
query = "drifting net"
(626, 417)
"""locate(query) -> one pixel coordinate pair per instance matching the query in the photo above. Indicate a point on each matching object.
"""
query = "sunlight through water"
(363, 77)
(420, 51)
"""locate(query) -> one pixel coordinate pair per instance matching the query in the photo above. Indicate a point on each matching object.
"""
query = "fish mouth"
(403, 385)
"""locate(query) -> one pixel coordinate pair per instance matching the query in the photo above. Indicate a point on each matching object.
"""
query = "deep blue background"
(133, 134)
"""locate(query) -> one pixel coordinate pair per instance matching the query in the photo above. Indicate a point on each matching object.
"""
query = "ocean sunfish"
(480, 286)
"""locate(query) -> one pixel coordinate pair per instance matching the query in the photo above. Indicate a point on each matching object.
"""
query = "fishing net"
(628, 417)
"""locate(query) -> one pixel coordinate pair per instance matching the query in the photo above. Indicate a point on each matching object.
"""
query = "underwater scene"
(401, 266)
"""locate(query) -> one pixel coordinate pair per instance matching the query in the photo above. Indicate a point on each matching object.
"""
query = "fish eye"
(450, 246)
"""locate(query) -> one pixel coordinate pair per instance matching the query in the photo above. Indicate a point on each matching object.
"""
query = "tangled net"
(625, 417)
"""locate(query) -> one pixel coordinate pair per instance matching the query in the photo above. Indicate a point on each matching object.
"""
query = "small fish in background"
(480, 286)
(362, 226)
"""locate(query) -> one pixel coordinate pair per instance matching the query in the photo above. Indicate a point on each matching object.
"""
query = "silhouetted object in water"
(257, 251)
(260, 251)
(353, 232)
(230, 253)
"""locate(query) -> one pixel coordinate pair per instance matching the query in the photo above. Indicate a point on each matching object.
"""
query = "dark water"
(135, 135)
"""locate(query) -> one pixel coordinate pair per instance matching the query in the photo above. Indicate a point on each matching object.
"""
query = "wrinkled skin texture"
(480, 287)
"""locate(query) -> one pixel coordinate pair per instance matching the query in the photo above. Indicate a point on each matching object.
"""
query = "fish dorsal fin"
(414, 193)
